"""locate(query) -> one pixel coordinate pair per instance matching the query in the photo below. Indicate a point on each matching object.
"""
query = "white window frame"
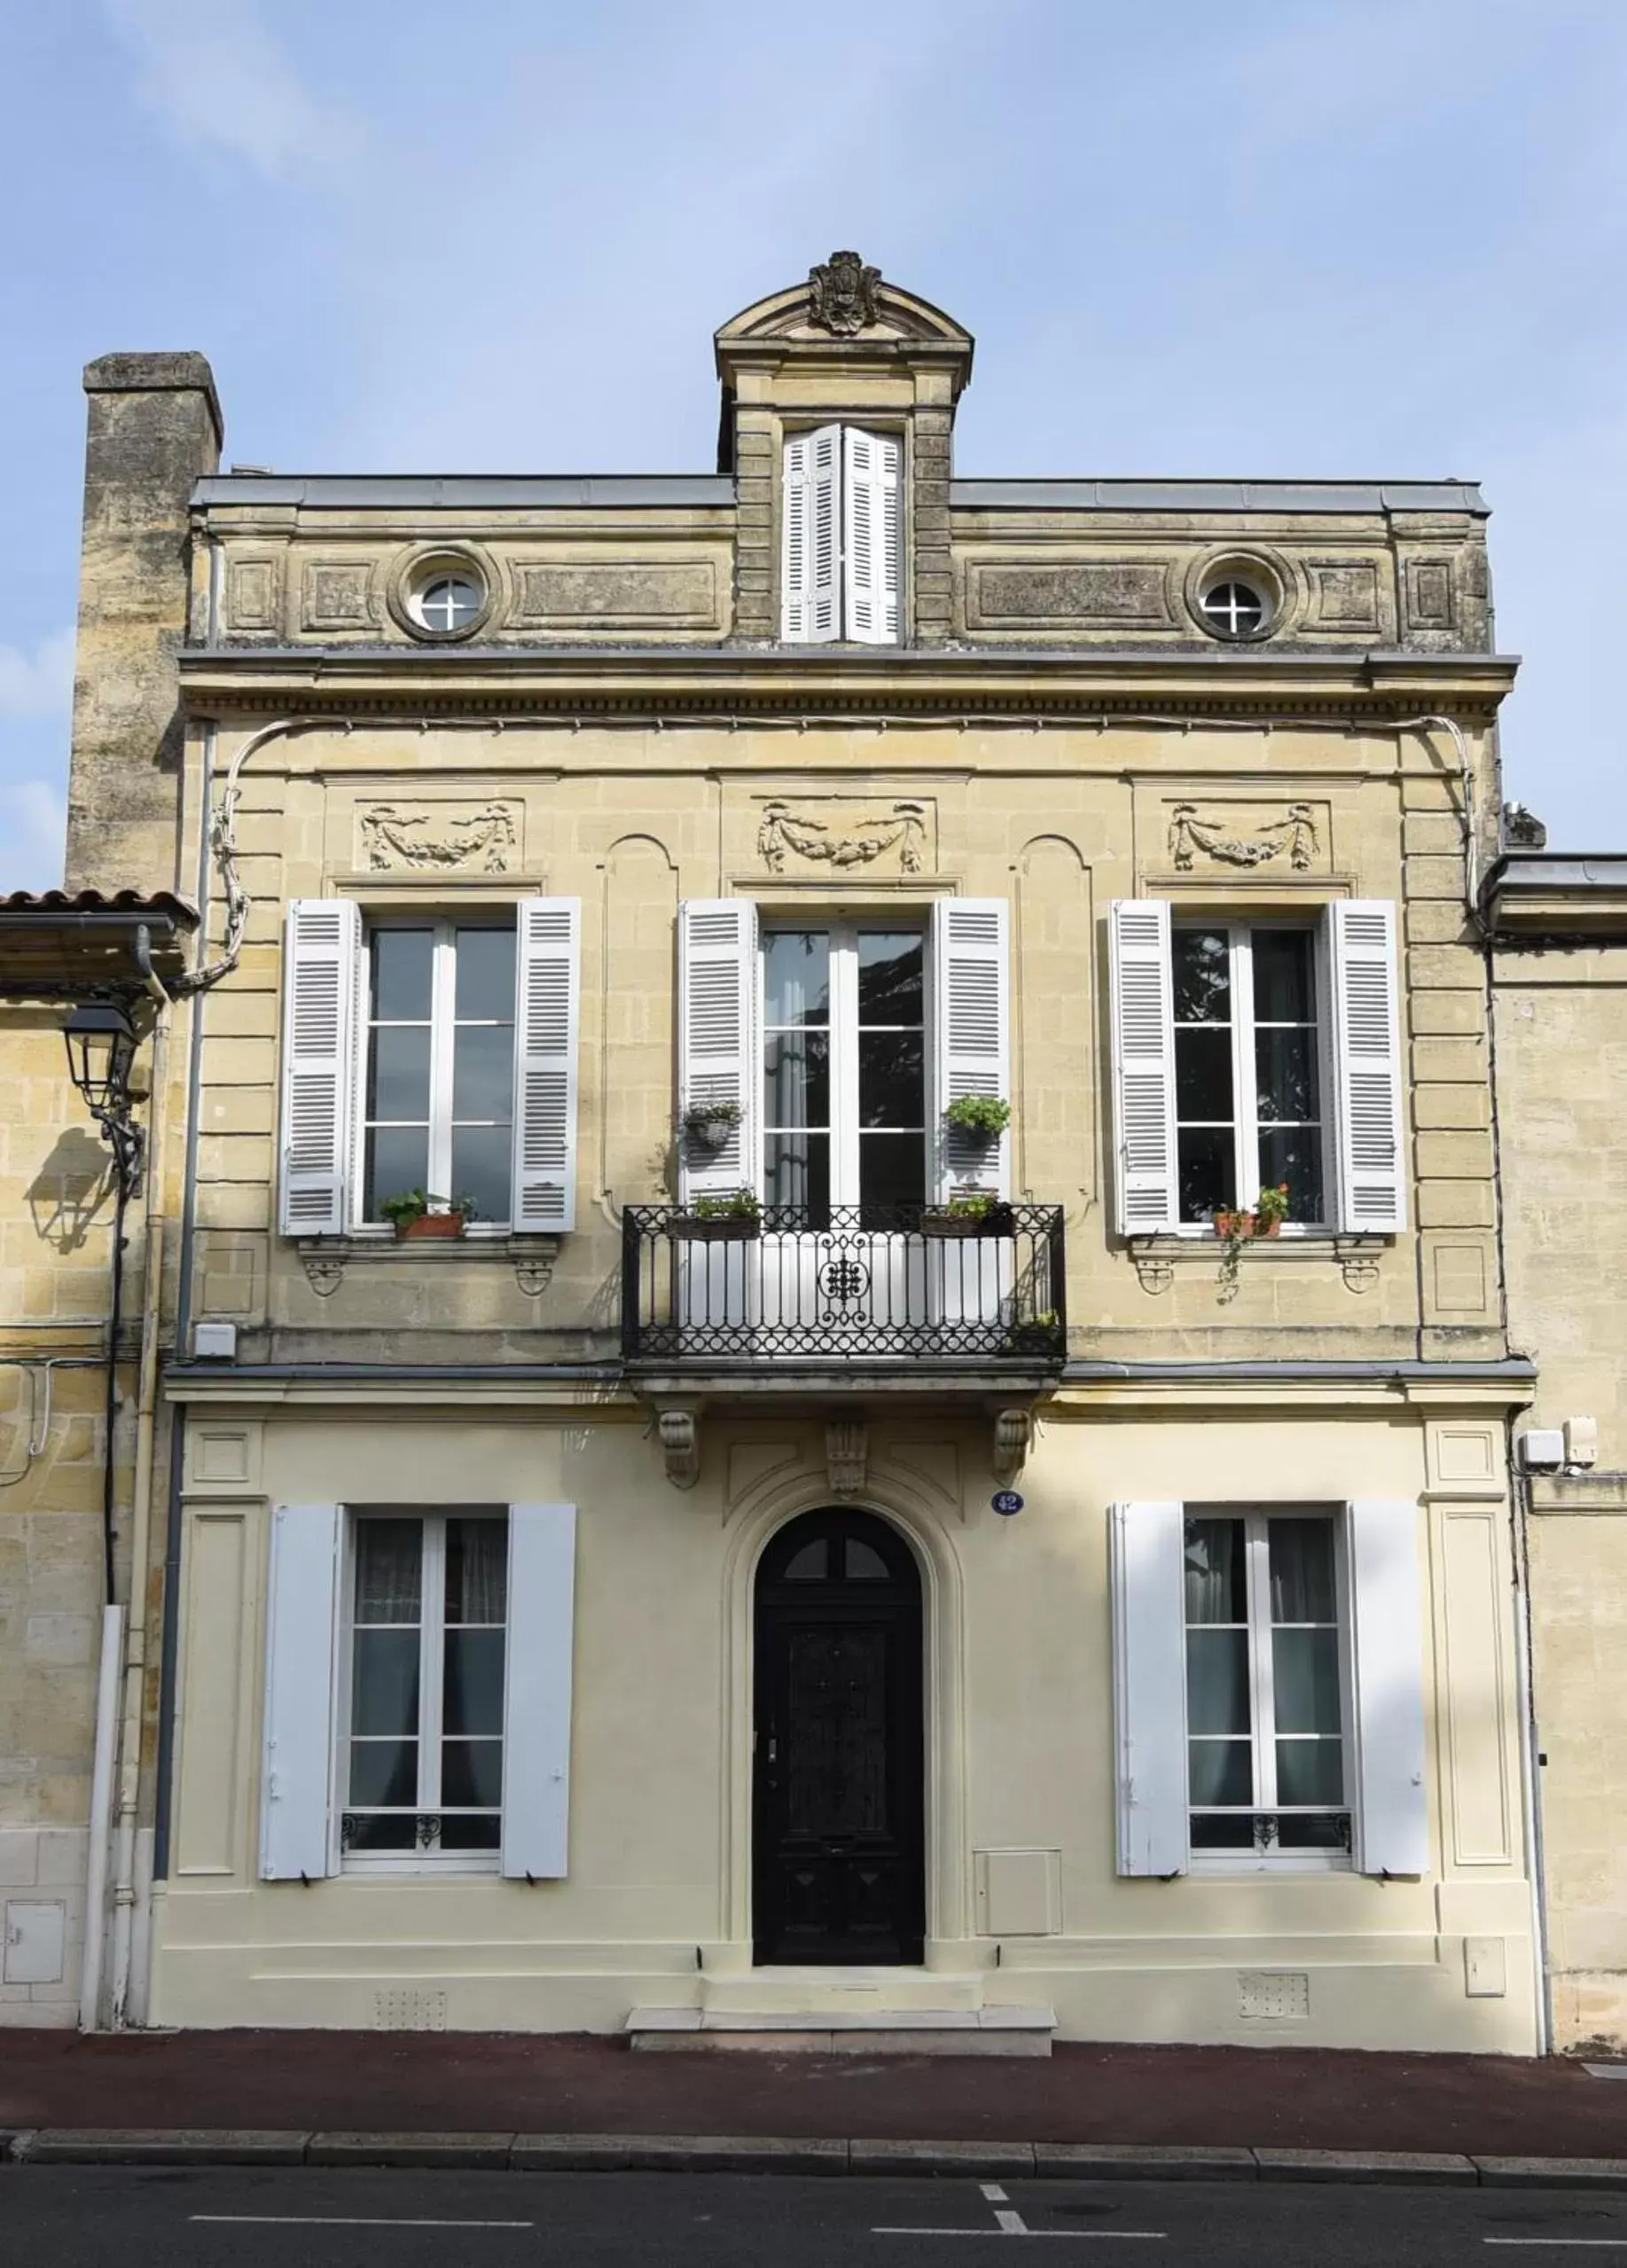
(1256, 1523)
(843, 634)
(844, 1032)
(1245, 1092)
(443, 1000)
(432, 1631)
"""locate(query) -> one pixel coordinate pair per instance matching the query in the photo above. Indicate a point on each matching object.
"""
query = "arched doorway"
(838, 1809)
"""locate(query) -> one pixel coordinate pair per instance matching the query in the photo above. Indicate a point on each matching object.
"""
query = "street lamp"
(101, 1049)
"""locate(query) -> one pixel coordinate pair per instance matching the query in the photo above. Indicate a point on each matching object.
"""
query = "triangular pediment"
(844, 302)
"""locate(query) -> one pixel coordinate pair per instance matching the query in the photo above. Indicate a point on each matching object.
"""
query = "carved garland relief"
(486, 837)
(1292, 837)
(783, 833)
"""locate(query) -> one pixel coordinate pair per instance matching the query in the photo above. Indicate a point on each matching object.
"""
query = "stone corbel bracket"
(1014, 1437)
(323, 1259)
(1155, 1270)
(534, 1257)
(677, 1427)
(1358, 1257)
(846, 1454)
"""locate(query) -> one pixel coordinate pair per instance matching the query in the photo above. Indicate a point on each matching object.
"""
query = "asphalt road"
(108, 2218)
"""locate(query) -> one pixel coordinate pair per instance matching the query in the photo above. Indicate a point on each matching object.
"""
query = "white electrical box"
(35, 1941)
(215, 1342)
(1541, 1450)
(1582, 1442)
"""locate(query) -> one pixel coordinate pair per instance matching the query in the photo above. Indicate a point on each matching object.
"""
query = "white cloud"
(213, 71)
(32, 831)
(40, 684)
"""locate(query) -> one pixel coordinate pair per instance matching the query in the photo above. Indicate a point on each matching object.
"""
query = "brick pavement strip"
(1430, 2166)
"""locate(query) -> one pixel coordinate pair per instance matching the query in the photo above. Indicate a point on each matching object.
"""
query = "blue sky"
(1312, 237)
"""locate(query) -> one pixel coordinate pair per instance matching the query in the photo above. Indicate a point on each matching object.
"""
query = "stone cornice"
(727, 683)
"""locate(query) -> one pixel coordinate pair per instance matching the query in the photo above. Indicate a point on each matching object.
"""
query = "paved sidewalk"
(1247, 2098)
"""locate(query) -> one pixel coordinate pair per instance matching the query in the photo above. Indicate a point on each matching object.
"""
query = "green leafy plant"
(711, 1123)
(982, 1118)
(971, 1205)
(407, 1205)
(1235, 1228)
(728, 1205)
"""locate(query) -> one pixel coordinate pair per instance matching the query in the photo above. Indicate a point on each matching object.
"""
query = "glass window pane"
(1294, 1155)
(1309, 1772)
(1285, 1074)
(1284, 989)
(1305, 1680)
(1218, 1833)
(472, 1773)
(397, 1159)
(397, 1832)
(477, 1570)
(1216, 1586)
(892, 1169)
(398, 1072)
(1220, 1771)
(383, 1771)
(891, 979)
(892, 1079)
(389, 1557)
(796, 977)
(1204, 1072)
(1218, 1682)
(808, 1564)
(483, 1072)
(471, 1831)
(797, 1170)
(403, 970)
(1315, 1831)
(862, 1562)
(485, 983)
(1202, 969)
(1207, 1162)
(1302, 1570)
(796, 1086)
(482, 1168)
(473, 1700)
(384, 1681)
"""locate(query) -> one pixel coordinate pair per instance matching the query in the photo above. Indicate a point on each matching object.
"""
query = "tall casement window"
(1247, 1055)
(1265, 1683)
(844, 1066)
(429, 1052)
(418, 1690)
(429, 1623)
(1249, 1067)
(439, 1087)
(841, 552)
(1268, 1687)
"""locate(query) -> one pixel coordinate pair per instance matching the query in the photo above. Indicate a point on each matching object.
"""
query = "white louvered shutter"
(717, 1036)
(1387, 1616)
(547, 993)
(1367, 1061)
(871, 502)
(810, 571)
(321, 960)
(1143, 1030)
(1147, 1560)
(971, 1018)
(536, 1726)
(301, 1601)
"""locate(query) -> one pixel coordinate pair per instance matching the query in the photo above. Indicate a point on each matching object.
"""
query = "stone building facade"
(800, 1557)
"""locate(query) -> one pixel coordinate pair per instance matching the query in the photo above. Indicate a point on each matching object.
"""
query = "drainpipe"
(141, 1517)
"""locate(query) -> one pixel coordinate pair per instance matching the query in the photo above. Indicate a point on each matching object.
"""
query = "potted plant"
(1236, 1227)
(1035, 1335)
(414, 1215)
(728, 1217)
(969, 1212)
(978, 1119)
(707, 1125)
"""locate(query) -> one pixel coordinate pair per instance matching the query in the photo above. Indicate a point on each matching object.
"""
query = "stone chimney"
(155, 429)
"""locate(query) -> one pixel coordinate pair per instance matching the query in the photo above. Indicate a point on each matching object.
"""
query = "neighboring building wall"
(56, 1204)
(1561, 1071)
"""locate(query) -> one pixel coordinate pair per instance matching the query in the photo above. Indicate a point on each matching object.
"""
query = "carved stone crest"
(902, 829)
(393, 835)
(842, 296)
(1296, 833)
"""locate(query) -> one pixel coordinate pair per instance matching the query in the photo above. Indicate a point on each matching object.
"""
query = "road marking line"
(1089, 2236)
(346, 2221)
(993, 2192)
(1012, 2223)
(1605, 2243)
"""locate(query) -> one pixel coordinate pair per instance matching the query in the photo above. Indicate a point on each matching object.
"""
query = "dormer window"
(843, 549)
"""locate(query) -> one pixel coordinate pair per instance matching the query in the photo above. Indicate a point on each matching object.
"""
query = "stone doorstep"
(765, 2154)
(793, 1992)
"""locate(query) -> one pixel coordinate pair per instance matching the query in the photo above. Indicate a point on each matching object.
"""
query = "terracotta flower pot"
(430, 1224)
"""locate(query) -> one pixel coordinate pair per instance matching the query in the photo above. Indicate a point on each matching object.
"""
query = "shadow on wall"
(70, 1189)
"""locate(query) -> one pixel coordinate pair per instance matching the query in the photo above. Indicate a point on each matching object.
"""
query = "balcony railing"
(905, 1284)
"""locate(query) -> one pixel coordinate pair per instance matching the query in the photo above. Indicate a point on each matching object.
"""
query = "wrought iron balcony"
(906, 1284)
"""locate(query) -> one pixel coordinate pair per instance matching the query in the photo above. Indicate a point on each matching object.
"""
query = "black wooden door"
(837, 1801)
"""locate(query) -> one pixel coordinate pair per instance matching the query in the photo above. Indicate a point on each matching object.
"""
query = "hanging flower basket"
(709, 1126)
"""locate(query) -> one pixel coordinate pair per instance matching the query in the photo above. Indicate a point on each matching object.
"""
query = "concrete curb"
(794, 2155)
